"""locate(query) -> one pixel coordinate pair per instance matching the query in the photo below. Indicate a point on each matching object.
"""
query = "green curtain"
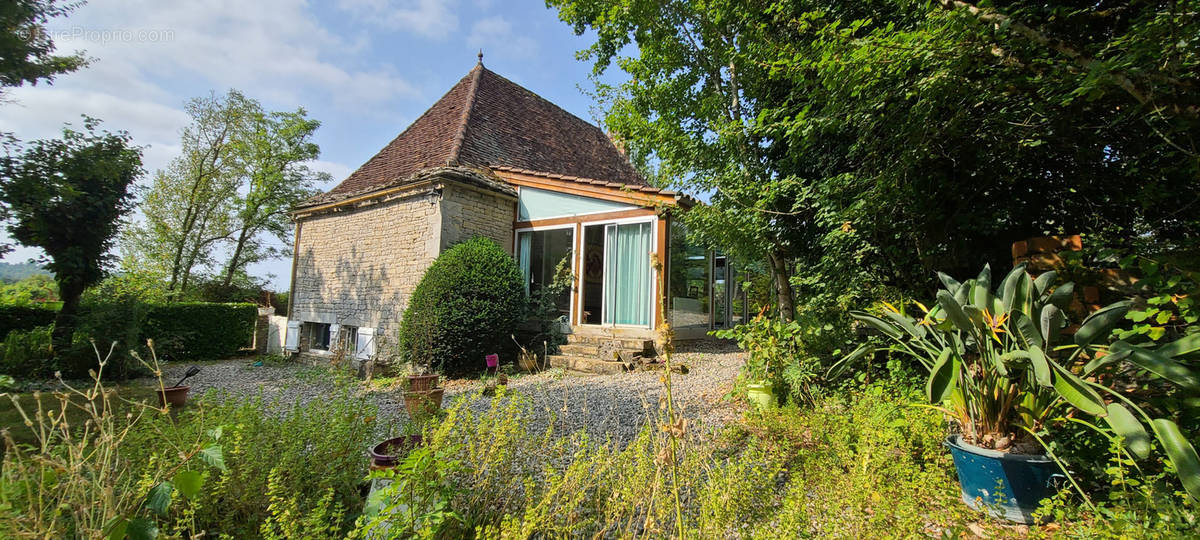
(627, 274)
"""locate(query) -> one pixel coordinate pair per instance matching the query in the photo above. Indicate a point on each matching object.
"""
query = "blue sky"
(364, 68)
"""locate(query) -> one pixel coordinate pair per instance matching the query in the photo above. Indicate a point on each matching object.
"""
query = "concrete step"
(585, 364)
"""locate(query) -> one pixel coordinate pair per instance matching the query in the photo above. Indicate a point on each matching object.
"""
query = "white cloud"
(495, 35)
(337, 171)
(40, 112)
(430, 18)
(274, 49)
(149, 56)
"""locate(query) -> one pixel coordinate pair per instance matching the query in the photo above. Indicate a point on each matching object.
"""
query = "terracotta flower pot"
(176, 396)
(422, 383)
(424, 403)
(388, 453)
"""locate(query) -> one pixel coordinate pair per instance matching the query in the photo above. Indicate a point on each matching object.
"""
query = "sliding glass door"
(627, 276)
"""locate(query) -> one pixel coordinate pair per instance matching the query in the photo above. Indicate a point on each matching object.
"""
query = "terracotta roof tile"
(486, 120)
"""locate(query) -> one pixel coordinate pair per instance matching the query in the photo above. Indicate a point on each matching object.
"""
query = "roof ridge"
(461, 134)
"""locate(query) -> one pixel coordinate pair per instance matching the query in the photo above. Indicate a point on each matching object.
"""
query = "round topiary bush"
(466, 306)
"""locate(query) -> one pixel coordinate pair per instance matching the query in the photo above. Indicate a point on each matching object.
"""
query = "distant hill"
(19, 271)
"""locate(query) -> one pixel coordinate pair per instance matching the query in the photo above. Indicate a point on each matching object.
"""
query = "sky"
(365, 68)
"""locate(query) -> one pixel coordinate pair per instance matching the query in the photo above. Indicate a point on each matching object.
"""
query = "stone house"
(493, 159)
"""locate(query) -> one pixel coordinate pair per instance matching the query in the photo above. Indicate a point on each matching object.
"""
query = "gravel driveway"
(614, 406)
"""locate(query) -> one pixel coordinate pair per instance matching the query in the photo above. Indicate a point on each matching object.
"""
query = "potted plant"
(422, 397)
(1003, 370)
(388, 453)
(766, 343)
(176, 394)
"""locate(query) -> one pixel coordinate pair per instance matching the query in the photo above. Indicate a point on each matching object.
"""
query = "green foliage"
(1001, 366)
(27, 49)
(543, 310)
(35, 290)
(25, 353)
(241, 168)
(197, 330)
(860, 467)
(231, 468)
(67, 197)
(14, 272)
(466, 306)
(416, 501)
(269, 448)
(70, 482)
(23, 317)
(873, 142)
(181, 331)
(790, 355)
(1165, 301)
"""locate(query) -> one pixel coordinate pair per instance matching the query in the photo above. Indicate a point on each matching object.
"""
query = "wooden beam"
(664, 257)
(608, 193)
(605, 216)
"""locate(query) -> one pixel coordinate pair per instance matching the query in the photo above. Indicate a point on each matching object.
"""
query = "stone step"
(580, 349)
(585, 364)
(632, 344)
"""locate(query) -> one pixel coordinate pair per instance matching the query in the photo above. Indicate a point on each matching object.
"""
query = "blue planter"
(1001, 484)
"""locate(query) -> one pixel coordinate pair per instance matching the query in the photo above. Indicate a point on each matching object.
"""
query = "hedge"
(23, 318)
(199, 330)
(184, 331)
(467, 305)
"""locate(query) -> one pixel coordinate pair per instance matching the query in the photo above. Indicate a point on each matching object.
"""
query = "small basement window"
(318, 336)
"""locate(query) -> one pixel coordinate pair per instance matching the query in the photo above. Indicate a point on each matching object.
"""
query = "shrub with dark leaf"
(468, 303)
(23, 318)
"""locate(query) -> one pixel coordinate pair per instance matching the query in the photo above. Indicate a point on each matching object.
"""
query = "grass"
(12, 420)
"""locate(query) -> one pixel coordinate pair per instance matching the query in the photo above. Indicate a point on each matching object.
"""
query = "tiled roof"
(486, 120)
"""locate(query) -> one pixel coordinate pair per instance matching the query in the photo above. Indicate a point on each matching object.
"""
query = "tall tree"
(688, 110)
(67, 196)
(271, 150)
(876, 141)
(189, 209)
(27, 53)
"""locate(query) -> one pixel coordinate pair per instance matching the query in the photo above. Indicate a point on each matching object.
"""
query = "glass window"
(545, 256)
(318, 336)
(689, 281)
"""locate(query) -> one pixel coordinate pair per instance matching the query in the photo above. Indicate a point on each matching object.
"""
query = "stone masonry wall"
(468, 211)
(359, 267)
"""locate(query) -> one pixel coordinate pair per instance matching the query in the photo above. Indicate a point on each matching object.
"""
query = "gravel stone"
(606, 406)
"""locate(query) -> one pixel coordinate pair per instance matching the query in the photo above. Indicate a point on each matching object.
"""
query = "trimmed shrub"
(199, 331)
(23, 318)
(467, 305)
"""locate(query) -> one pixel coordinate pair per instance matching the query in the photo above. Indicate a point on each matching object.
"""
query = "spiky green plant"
(1001, 366)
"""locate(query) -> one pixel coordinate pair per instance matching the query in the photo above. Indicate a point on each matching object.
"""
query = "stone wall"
(469, 211)
(359, 267)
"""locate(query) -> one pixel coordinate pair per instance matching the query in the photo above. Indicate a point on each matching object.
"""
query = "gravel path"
(615, 406)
